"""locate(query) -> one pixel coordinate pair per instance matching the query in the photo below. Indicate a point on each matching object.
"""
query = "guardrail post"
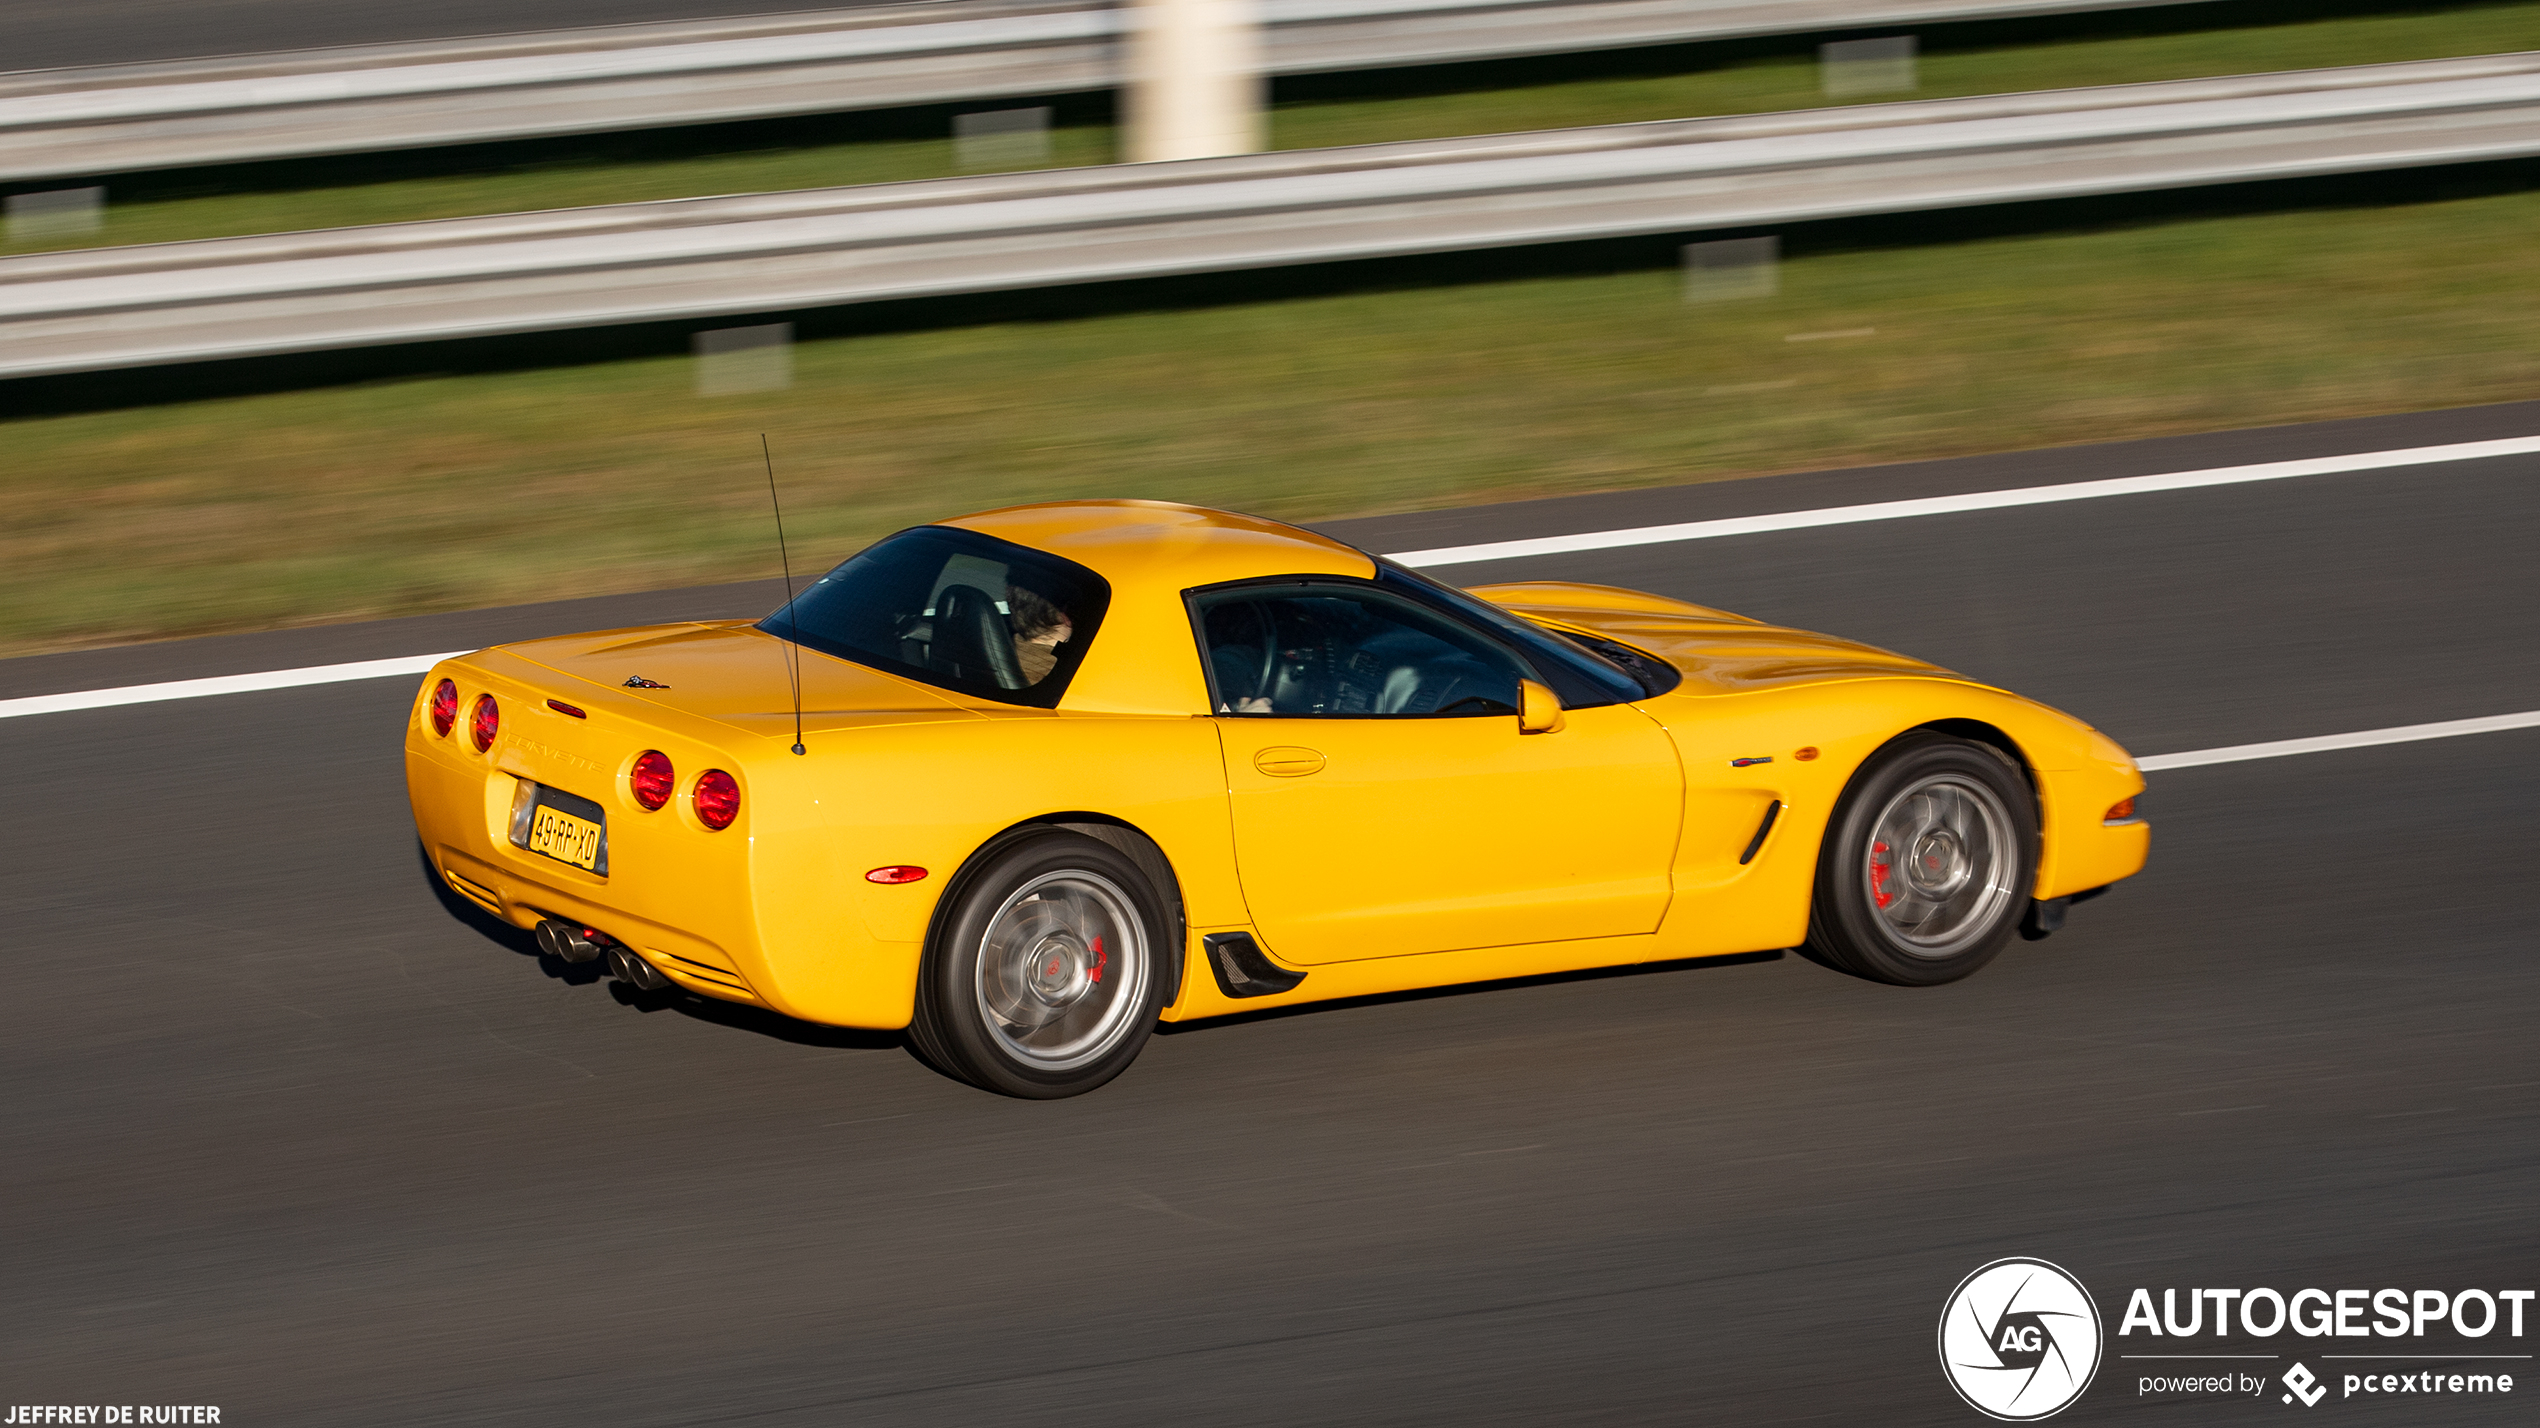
(1857, 67)
(732, 360)
(1194, 80)
(47, 217)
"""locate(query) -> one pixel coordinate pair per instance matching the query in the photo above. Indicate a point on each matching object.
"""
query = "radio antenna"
(793, 652)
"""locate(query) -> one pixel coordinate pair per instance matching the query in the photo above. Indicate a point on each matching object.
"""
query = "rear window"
(955, 609)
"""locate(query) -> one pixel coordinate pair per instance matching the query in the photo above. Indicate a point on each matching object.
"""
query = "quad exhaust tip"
(570, 941)
(633, 970)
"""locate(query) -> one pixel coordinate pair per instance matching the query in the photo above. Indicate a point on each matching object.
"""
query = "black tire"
(1045, 969)
(1947, 901)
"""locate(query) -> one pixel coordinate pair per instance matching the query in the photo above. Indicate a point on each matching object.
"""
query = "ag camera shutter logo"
(2019, 1339)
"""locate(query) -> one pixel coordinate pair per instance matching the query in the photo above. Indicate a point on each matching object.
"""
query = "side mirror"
(1538, 709)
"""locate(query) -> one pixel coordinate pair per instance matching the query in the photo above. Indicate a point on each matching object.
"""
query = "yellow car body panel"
(1409, 836)
(1375, 855)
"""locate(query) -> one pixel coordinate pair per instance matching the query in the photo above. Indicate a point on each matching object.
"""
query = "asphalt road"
(44, 34)
(287, 1134)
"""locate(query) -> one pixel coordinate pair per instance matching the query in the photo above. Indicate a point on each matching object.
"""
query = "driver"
(1040, 627)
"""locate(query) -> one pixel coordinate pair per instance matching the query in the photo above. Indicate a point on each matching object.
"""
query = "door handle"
(1288, 761)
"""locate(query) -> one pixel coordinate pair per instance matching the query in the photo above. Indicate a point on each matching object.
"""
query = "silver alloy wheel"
(1062, 970)
(1940, 863)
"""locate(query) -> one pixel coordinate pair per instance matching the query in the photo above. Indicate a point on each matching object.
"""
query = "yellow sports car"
(1026, 782)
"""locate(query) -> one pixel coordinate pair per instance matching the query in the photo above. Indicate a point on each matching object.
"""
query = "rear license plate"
(566, 827)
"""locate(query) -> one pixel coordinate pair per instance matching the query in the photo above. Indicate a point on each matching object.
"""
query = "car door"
(1384, 801)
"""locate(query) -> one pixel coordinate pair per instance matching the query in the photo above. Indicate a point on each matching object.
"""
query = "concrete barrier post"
(1194, 80)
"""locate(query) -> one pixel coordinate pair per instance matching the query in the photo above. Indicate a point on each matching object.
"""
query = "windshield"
(1582, 676)
(955, 609)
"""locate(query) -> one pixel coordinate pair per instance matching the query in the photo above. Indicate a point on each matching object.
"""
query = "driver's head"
(1034, 617)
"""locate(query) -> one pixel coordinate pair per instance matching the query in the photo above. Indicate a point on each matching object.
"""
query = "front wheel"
(1928, 864)
(1045, 974)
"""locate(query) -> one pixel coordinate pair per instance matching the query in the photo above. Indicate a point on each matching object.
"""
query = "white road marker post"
(1194, 80)
(1002, 140)
(49, 217)
(1726, 269)
(732, 360)
(1851, 68)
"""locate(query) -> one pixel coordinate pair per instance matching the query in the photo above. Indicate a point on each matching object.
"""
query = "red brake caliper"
(1102, 959)
(1878, 875)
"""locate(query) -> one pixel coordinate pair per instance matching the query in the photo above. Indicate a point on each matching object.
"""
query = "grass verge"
(1777, 73)
(1292, 394)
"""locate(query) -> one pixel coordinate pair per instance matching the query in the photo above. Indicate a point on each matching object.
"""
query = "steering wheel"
(1269, 667)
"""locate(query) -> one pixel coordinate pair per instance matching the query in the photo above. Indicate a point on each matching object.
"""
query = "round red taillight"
(484, 723)
(652, 778)
(718, 799)
(445, 707)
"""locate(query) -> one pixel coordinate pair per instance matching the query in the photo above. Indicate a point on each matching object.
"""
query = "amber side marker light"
(1807, 754)
(2119, 811)
(651, 779)
(445, 707)
(561, 707)
(485, 723)
(895, 874)
(717, 799)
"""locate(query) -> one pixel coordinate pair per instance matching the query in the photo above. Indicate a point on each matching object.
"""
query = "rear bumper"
(523, 902)
(750, 914)
(453, 808)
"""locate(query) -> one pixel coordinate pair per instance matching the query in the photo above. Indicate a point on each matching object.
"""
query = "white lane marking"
(420, 664)
(220, 684)
(1972, 501)
(2365, 739)
(1546, 545)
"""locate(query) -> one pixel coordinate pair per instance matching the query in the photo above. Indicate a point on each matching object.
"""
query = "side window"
(954, 609)
(1350, 652)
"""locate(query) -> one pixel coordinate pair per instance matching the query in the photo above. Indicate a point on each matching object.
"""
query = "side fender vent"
(1755, 844)
(1242, 969)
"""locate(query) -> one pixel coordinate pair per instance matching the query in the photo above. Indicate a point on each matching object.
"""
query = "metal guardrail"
(716, 257)
(119, 119)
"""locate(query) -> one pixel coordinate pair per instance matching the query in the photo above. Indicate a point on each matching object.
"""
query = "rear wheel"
(1045, 974)
(1927, 867)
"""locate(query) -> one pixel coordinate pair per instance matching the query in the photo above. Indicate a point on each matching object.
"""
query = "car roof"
(1157, 547)
(1143, 660)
